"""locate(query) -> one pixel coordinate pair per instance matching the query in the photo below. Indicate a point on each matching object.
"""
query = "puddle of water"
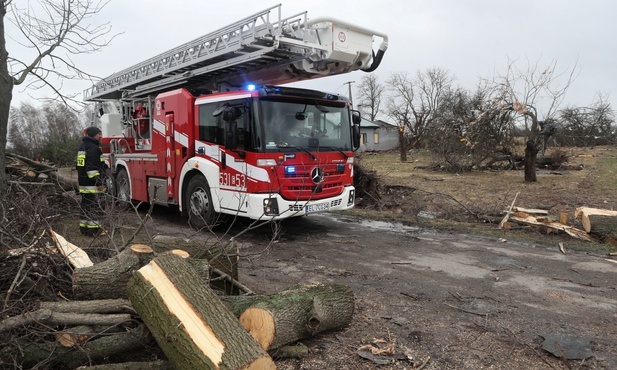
(375, 224)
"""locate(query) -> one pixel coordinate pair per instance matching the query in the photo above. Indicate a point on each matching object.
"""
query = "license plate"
(317, 207)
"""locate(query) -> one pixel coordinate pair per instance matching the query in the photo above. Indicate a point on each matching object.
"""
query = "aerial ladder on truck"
(263, 49)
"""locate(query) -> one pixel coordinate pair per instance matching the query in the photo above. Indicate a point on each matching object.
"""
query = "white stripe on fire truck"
(252, 172)
(181, 138)
(159, 127)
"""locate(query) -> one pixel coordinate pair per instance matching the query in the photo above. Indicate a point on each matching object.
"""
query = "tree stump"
(295, 313)
(188, 320)
(108, 279)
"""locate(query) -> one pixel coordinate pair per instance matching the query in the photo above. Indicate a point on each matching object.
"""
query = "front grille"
(310, 188)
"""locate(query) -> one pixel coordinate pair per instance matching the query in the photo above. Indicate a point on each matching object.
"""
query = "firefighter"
(91, 178)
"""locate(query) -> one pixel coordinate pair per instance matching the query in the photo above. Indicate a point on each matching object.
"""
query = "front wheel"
(199, 203)
(123, 189)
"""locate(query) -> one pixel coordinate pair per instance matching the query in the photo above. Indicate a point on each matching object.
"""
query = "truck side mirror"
(355, 128)
(355, 117)
(231, 141)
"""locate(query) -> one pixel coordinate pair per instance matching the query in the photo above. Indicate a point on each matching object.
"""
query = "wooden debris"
(574, 232)
(49, 317)
(75, 255)
(75, 335)
(153, 365)
(101, 349)
(531, 211)
(188, 320)
(508, 213)
(96, 306)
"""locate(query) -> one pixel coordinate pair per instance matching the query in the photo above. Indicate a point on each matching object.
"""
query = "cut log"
(601, 222)
(603, 226)
(583, 213)
(295, 313)
(108, 279)
(188, 320)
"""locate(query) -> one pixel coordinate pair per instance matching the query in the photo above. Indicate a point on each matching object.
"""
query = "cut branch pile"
(32, 172)
(139, 296)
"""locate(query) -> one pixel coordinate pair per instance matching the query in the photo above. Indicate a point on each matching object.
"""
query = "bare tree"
(371, 93)
(587, 126)
(468, 134)
(415, 103)
(55, 31)
(525, 91)
(27, 130)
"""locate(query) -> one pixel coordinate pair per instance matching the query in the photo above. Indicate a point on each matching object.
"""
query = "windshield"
(305, 124)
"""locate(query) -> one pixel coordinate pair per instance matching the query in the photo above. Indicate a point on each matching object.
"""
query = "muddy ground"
(441, 300)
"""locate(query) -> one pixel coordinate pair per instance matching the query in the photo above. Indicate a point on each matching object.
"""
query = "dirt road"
(464, 301)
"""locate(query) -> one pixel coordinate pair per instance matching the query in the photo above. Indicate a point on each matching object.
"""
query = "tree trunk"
(295, 313)
(531, 154)
(6, 95)
(108, 279)
(189, 321)
(402, 144)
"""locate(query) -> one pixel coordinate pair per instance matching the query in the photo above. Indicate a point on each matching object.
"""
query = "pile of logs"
(598, 225)
(138, 296)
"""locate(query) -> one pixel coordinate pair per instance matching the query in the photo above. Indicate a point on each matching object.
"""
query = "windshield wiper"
(335, 148)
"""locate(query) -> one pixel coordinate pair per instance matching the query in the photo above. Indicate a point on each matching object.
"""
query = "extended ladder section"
(261, 49)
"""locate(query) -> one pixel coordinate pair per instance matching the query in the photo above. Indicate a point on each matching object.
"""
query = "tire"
(123, 190)
(199, 206)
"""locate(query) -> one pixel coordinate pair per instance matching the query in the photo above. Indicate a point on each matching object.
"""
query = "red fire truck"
(203, 126)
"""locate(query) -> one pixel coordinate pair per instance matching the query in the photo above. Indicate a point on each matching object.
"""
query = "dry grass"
(588, 178)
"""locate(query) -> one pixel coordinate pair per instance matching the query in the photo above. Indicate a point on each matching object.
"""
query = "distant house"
(377, 135)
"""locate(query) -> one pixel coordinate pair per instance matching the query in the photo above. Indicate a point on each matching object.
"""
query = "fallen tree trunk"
(295, 313)
(601, 222)
(188, 320)
(108, 279)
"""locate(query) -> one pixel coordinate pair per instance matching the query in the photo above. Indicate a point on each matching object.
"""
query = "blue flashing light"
(251, 87)
(290, 170)
(340, 167)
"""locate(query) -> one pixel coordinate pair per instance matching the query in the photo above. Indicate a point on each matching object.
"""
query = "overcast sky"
(469, 38)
